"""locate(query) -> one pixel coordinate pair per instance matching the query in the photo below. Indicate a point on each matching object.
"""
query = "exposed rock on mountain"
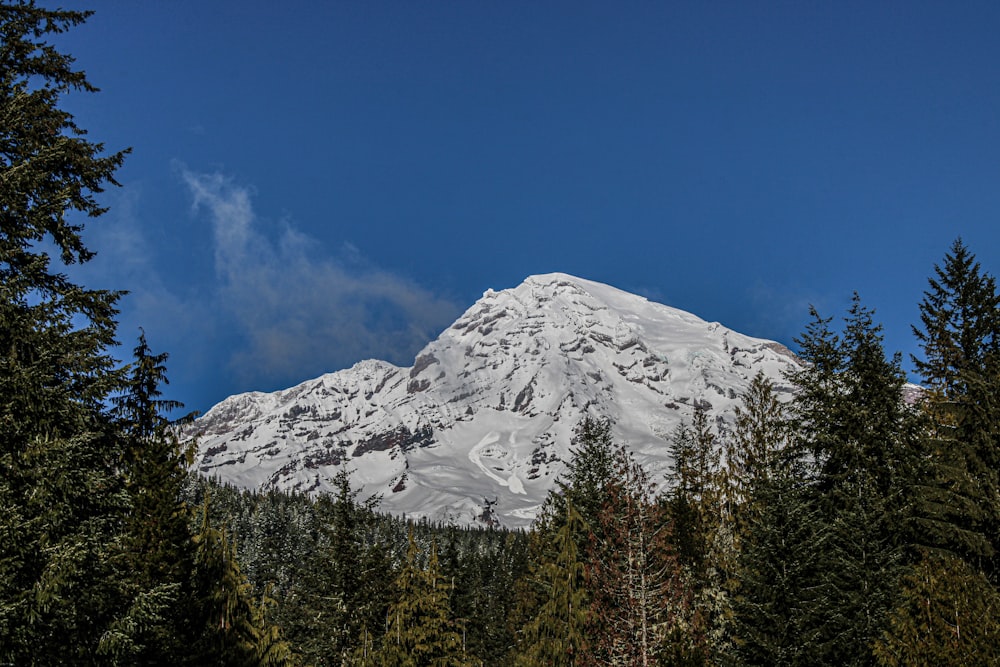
(481, 423)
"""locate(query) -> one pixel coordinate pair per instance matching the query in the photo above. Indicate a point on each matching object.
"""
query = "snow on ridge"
(486, 411)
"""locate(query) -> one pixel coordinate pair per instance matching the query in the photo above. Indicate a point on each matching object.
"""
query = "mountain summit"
(484, 416)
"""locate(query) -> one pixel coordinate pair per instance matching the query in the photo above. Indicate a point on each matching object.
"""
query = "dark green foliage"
(858, 438)
(286, 545)
(960, 339)
(760, 435)
(419, 628)
(757, 505)
(557, 634)
(776, 563)
(483, 566)
(234, 621)
(346, 582)
(48, 168)
(158, 551)
(693, 501)
(959, 321)
(699, 540)
(140, 410)
(61, 484)
(947, 615)
(97, 564)
(590, 470)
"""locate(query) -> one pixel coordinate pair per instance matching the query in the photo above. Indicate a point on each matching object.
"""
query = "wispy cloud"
(300, 311)
(126, 260)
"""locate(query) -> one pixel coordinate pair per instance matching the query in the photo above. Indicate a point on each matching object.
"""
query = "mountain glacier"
(480, 425)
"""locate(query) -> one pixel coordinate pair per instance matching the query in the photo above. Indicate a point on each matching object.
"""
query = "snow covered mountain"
(486, 413)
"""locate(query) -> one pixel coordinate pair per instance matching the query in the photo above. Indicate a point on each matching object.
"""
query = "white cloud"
(300, 312)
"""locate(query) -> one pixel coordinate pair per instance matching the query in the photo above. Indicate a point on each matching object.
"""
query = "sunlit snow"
(487, 411)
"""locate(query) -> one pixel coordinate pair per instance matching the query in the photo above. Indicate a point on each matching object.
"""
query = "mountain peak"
(487, 410)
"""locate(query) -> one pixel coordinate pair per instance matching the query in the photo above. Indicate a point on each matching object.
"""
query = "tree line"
(856, 524)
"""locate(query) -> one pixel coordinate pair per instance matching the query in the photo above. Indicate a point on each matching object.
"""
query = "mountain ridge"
(484, 416)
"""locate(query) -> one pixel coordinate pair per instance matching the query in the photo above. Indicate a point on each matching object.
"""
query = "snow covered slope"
(487, 410)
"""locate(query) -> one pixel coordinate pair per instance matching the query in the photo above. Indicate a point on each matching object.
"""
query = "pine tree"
(235, 629)
(948, 615)
(419, 630)
(776, 565)
(157, 469)
(693, 506)
(752, 453)
(62, 494)
(694, 498)
(960, 339)
(860, 440)
(158, 547)
(760, 434)
(589, 472)
(556, 636)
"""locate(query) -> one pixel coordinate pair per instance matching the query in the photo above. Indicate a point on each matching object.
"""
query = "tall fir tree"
(419, 629)
(859, 437)
(776, 566)
(557, 635)
(945, 615)
(694, 497)
(751, 454)
(589, 473)
(693, 508)
(959, 335)
(158, 550)
(62, 495)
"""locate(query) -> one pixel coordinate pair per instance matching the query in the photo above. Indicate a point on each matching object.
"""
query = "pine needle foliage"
(61, 483)
(419, 630)
(959, 336)
(556, 636)
(948, 615)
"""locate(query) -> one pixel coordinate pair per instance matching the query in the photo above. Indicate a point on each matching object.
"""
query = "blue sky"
(316, 183)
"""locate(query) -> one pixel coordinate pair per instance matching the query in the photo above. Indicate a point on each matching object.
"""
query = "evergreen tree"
(589, 472)
(960, 339)
(419, 630)
(234, 628)
(342, 583)
(948, 616)
(693, 507)
(694, 497)
(158, 547)
(861, 439)
(760, 434)
(776, 565)
(62, 496)
(556, 636)
(752, 452)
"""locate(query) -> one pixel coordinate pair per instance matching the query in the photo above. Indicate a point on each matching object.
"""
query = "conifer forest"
(858, 524)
